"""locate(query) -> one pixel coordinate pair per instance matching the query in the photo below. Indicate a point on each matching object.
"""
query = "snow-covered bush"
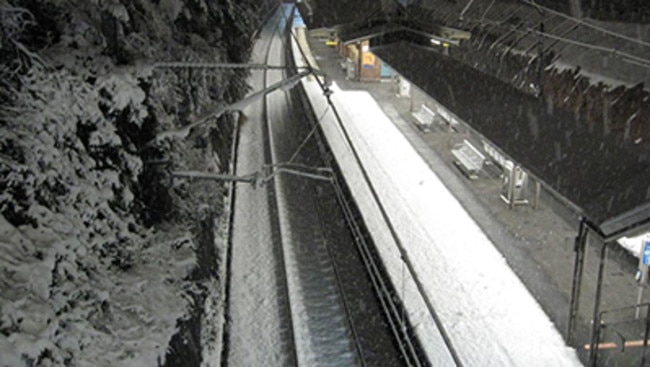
(80, 273)
(97, 243)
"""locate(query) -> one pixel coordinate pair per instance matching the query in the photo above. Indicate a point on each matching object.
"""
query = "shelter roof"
(606, 177)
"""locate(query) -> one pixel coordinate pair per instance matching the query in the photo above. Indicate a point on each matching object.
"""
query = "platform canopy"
(332, 13)
(387, 19)
(604, 176)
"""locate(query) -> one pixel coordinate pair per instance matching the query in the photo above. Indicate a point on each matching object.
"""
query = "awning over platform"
(608, 179)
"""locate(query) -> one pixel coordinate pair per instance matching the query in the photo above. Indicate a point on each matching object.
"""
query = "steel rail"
(232, 193)
(404, 254)
(337, 272)
(392, 310)
(273, 203)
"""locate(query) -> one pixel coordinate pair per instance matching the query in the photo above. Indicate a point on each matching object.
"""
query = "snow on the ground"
(489, 315)
(78, 280)
(425, 328)
(97, 249)
(101, 318)
(256, 335)
(499, 323)
(634, 244)
(255, 328)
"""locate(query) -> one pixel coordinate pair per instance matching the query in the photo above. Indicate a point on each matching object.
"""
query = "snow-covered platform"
(486, 315)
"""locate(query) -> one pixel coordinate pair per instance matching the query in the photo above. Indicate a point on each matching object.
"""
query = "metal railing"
(596, 345)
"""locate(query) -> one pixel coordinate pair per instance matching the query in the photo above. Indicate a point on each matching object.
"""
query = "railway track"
(387, 296)
(259, 328)
(318, 305)
(323, 296)
(283, 285)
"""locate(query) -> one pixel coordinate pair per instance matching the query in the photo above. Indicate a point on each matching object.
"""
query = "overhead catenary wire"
(626, 56)
(398, 241)
(311, 133)
(346, 306)
(622, 55)
(590, 25)
(642, 61)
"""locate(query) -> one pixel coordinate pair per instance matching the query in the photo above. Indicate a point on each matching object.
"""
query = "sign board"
(368, 60)
(645, 254)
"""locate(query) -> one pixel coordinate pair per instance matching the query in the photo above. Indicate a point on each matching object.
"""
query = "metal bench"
(424, 118)
(468, 159)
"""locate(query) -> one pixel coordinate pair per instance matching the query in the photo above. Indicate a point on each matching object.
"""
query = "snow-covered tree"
(97, 243)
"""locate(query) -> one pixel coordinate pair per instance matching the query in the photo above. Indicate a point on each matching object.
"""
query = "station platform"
(537, 243)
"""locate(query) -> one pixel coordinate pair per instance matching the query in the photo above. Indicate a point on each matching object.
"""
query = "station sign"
(645, 254)
(644, 262)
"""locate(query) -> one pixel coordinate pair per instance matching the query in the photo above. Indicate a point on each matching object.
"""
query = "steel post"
(578, 267)
(595, 330)
(511, 189)
(645, 335)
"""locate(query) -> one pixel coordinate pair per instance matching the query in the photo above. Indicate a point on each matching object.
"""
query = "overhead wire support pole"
(595, 330)
(210, 65)
(587, 24)
(237, 106)
(624, 55)
(291, 171)
(266, 174)
(195, 175)
(578, 268)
